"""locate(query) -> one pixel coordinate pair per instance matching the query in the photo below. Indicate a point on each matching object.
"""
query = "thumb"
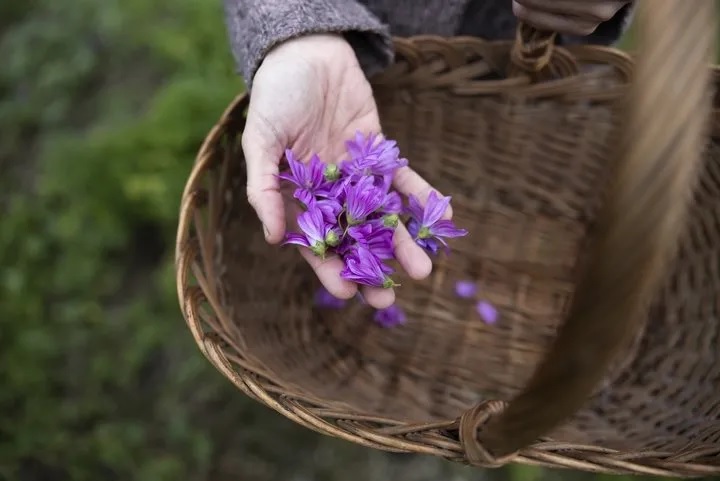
(262, 156)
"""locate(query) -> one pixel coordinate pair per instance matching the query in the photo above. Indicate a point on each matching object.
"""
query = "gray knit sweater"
(255, 26)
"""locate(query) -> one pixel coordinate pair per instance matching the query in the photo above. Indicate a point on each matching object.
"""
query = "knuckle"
(585, 29)
(253, 196)
(604, 12)
(245, 140)
(249, 141)
(521, 11)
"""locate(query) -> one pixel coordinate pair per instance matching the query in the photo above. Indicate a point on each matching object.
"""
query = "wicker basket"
(570, 244)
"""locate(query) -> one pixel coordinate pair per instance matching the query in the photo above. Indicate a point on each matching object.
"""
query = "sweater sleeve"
(256, 26)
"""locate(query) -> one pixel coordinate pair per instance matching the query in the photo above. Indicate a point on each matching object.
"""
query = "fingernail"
(266, 231)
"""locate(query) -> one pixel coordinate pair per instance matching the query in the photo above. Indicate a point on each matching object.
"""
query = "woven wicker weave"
(567, 243)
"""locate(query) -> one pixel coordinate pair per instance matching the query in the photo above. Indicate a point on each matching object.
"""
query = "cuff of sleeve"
(608, 33)
(253, 32)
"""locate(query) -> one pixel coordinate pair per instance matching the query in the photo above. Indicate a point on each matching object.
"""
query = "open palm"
(310, 95)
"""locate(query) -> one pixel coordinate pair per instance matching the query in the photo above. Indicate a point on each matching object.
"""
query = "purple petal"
(297, 239)
(446, 228)
(316, 177)
(376, 238)
(392, 204)
(289, 177)
(390, 317)
(415, 209)
(363, 267)
(372, 156)
(312, 224)
(362, 199)
(330, 209)
(323, 298)
(360, 232)
(431, 246)
(465, 289)
(358, 147)
(434, 208)
(304, 196)
(298, 169)
(413, 227)
(487, 312)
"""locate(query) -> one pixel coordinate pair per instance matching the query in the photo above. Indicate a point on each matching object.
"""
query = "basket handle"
(636, 234)
(533, 48)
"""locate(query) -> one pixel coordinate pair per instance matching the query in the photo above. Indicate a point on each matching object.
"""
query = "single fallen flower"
(466, 289)
(487, 312)
(426, 224)
(324, 299)
(390, 317)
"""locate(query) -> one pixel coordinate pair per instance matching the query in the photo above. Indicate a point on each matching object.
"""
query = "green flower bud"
(319, 249)
(391, 220)
(389, 283)
(332, 239)
(331, 172)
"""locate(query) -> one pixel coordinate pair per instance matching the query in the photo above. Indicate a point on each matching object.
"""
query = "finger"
(554, 22)
(263, 186)
(408, 182)
(378, 297)
(590, 11)
(328, 272)
(413, 259)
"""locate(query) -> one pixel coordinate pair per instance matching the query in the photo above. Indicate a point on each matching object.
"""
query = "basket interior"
(525, 177)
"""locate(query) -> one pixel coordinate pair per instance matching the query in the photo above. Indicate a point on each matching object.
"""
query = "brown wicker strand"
(638, 230)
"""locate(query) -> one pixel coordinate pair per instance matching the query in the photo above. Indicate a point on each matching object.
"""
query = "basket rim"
(443, 439)
(434, 62)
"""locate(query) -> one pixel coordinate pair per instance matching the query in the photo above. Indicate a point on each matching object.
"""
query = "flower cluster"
(351, 210)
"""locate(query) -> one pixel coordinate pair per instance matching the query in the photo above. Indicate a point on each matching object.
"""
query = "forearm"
(256, 26)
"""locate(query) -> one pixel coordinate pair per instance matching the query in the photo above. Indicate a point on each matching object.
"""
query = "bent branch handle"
(638, 229)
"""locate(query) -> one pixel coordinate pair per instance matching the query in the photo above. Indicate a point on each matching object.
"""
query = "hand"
(573, 17)
(310, 95)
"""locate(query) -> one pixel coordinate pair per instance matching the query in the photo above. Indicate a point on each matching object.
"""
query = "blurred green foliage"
(103, 105)
(102, 108)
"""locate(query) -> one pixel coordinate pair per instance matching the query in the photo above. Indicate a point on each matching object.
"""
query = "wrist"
(312, 45)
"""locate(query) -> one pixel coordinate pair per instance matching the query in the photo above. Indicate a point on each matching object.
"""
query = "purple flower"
(430, 244)
(371, 156)
(336, 191)
(392, 203)
(390, 317)
(487, 312)
(377, 238)
(314, 232)
(362, 199)
(304, 196)
(429, 228)
(465, 289)
(323, 298)
(308, 177)
(363, 267)
(330, 209)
